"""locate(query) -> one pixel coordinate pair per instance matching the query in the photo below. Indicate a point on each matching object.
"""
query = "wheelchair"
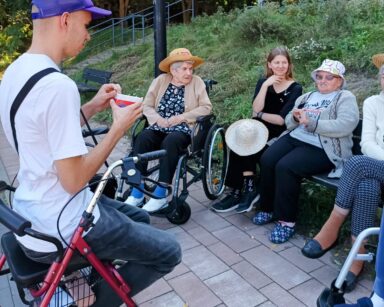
(44, 285)
(205, 159)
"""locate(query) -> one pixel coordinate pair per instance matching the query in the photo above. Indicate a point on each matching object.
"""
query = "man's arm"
(75, 172)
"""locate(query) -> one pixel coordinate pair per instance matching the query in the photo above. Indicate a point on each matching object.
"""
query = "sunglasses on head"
(326, 77)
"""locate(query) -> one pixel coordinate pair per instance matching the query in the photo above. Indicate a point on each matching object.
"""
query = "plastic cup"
(126, 100)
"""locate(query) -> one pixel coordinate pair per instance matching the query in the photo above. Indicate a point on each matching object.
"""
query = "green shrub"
(15, 35)
(367, 11)
(264, 24)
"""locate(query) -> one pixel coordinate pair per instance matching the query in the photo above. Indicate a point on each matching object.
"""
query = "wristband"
(259, 115)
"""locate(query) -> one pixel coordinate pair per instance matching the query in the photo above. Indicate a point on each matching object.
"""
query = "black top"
(278, 103)
(172, 104)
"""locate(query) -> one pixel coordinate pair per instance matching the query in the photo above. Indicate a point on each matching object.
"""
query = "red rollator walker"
(68, 280)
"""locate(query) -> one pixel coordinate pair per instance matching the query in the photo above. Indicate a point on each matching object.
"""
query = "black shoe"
(228, 203)
(312, 249)
(247, 201)
(351, 281)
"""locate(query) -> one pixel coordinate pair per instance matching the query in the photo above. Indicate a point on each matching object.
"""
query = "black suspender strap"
(21, 96)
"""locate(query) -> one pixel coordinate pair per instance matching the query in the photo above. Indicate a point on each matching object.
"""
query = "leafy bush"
(264, 24)
(15, 31)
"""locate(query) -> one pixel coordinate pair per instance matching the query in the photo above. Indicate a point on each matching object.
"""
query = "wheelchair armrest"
(95, 131)
(204, 118)
(12, 220)
(200, 132)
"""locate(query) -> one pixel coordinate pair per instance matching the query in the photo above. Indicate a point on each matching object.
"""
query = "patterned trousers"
(360, 191)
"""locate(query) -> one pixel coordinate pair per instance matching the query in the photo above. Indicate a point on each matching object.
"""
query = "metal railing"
(131, 29)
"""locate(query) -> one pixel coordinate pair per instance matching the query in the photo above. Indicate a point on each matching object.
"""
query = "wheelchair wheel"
(180, 215)
(215, 162)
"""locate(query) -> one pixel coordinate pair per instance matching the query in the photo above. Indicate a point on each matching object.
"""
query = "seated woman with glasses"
(359, 191)
(318, 140)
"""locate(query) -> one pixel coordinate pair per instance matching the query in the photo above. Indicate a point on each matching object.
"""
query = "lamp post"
(159, 34)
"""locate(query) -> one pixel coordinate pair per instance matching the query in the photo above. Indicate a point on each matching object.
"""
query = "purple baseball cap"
(50, 8)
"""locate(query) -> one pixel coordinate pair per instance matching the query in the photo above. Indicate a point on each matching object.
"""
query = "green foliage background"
(15, 30)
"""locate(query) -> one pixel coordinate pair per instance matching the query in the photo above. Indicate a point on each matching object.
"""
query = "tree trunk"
(123, 7)
(187, 15)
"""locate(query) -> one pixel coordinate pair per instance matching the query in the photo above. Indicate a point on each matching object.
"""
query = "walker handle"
(152, 155)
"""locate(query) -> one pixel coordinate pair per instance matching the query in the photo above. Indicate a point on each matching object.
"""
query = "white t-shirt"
(48, 129)
(314, 105)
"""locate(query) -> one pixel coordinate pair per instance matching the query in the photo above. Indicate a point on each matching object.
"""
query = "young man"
(55, 163)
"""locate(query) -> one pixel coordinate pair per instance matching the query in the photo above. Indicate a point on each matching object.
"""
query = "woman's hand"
(175, 120)
(300, 115)
(273, 80)
(162, 122)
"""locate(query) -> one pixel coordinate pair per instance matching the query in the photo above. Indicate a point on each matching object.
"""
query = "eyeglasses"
(326, 77)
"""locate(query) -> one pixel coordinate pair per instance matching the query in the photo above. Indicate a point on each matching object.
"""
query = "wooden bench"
(93, 79)
(333, 183)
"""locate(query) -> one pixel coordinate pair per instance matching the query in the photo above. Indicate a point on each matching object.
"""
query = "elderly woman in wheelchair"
(172, 105)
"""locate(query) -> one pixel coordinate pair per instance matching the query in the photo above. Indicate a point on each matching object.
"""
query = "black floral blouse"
(171, 104)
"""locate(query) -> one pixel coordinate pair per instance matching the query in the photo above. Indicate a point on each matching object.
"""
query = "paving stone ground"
(227, 260)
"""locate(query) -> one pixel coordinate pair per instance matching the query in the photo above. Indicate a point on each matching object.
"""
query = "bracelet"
(259, 115)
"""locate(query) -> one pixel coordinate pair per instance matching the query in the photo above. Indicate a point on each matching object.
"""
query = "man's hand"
(101, 100)
(123, 118)
(175, 120)
(104, 95)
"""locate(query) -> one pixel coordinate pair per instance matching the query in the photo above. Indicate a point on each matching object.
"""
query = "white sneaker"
(133, 201)
(155, 204)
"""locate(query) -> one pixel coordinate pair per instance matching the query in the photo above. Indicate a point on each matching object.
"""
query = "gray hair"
(177, 65)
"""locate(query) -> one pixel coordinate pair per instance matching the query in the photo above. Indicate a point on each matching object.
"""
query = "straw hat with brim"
(179, 55)
(378, 60)
(246, 137)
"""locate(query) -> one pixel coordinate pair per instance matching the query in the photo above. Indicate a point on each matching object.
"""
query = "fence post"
(122, 31)
(168, 13)
(133, 29)
(113, 32)
(193, 9)
(142, 29)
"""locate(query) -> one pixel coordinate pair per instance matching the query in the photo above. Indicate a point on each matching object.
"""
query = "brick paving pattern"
(227, 260)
